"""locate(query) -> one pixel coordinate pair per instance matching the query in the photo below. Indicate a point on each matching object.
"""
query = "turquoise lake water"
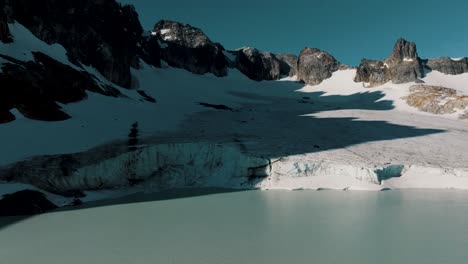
(414, 226)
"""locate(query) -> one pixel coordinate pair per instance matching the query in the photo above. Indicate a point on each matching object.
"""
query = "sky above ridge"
(349, 30)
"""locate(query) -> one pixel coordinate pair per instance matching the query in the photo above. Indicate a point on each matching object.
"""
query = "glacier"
(279, 135)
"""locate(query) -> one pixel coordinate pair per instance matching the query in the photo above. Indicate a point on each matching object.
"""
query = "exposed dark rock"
(314, 66)
(6, 116)
(215, 106)
(133, 181)
(150, 50)
(25, 202)
(103, 33)
(258, 65)
(76, 202)
(34, 87)
(73, 193)
(406, 72)
(403, 51)
(288, 64)
(187, 47)
(5, 36)
(402, 66)
(372, 71)
(448, 66)
(146, 97)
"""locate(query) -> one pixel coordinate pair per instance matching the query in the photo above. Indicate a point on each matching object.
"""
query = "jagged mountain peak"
(182, 33)
(402, 66)
(403, 51)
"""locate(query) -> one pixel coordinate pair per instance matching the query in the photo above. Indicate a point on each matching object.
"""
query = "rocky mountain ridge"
(108, 37)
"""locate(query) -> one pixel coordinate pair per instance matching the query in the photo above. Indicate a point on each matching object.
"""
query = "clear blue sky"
(349, 30)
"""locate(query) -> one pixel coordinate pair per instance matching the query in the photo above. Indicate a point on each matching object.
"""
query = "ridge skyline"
(367, 35)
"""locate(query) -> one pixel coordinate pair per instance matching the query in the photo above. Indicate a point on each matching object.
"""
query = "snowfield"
(268, 135)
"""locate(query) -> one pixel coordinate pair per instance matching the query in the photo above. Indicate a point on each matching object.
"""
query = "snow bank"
(458, 82)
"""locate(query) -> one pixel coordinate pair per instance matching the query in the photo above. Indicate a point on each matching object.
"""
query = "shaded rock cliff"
(260, 65)
(448, 66)
(101, 33)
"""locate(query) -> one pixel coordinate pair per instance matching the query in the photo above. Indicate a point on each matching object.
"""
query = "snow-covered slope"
(281, 134)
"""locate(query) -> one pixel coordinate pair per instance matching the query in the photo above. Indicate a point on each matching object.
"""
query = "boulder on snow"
(187, 47)
(103, 34)
(26, 202)
(402, 66)
(314, 66)
(259, 65)
(448, 66)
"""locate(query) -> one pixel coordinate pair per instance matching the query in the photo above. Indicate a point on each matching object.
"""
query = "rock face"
(402, 66)
(34, 87)
(187, 47)
(436, 99)
(150, 50)
(5, 36)
(448, 66)
(25, 202)
(258, 65)
(314, 66)
(103, 33)
(372, 71)
(403, 51)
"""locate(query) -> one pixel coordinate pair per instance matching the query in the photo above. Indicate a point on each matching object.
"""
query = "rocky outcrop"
(26, 202)
(150, 50)
(258, 65)
(406, 72)
(187, 47)
(103, 34)
(288, 64)
(34, 87)
(372, 71)
(5, 36)
(436, 99)
(314, 66)
(403, 51)
(402, 66)
(448, 66)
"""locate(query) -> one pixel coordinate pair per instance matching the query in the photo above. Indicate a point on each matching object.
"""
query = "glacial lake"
(213, 227)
